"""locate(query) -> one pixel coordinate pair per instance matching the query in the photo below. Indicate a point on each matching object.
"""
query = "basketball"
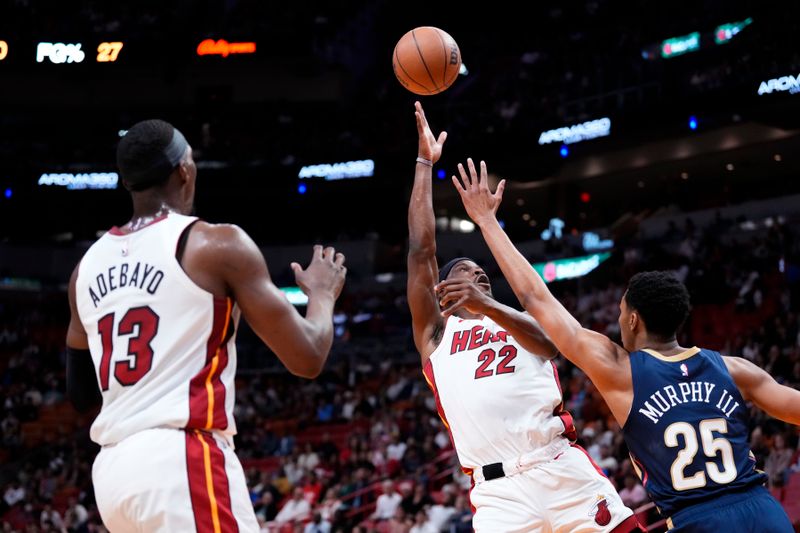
(426, 60)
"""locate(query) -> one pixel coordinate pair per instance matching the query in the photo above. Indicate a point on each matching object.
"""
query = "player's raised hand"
(324, 274)
(430, 147)
(481, 203)
(455, 294)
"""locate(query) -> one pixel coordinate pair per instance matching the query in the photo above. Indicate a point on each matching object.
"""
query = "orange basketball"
(426, 60)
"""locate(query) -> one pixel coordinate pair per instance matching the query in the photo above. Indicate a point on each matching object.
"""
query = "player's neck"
(148, 208)
(670, 347)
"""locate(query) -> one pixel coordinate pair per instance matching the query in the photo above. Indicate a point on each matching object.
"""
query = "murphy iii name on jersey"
(687, 392)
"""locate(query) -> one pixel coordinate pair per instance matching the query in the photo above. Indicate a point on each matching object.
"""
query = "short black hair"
(661, 299)
(140, 154)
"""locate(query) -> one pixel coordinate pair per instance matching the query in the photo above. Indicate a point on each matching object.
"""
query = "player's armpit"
(608, 367)
(597, 355)
(603, 360)
(756, 385)
(426, 319)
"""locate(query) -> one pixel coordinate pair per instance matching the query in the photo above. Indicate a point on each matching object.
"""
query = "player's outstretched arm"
(778, 401)
(465, 294)
(301, 343)
(423, 271)
(592, 352)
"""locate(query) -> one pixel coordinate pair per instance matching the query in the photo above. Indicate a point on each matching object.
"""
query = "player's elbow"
(530, 301)
(311, 374)
(308, 369)
(421, 250)
(309, 362)
(550, 350)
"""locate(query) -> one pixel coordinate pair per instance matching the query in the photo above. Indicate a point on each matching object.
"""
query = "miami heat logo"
(600, 511)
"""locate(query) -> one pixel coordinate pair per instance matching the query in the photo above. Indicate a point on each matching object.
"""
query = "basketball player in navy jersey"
(682, 410)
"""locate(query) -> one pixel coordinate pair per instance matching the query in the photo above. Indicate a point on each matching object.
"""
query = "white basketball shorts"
(171, 480)
(567, 494)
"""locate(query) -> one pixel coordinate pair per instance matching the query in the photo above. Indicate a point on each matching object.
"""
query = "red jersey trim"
(206, 390)
(208, 484)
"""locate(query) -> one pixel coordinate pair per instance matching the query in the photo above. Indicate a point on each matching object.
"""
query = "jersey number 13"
(140, 324)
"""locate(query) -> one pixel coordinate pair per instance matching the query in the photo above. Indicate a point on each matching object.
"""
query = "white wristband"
(425, 161)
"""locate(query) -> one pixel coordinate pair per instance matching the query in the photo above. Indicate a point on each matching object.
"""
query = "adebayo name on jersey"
(140, 275)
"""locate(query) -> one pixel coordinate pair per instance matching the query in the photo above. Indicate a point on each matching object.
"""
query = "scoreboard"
(110, 51)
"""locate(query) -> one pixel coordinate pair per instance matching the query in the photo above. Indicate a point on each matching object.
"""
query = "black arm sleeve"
(82, 389)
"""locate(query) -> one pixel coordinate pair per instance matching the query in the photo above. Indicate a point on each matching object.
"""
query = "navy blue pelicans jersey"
(687, 431)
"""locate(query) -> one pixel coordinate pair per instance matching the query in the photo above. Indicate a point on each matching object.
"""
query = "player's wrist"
(490, 308)
(484, 221)
(424, 161)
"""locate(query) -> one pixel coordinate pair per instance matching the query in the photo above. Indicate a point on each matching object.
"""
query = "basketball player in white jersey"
(154, 309)
(490, 368)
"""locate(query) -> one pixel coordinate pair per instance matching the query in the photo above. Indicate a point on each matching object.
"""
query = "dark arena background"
(633, 136)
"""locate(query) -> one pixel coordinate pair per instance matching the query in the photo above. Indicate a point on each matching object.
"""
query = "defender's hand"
(324, 274)
(481, 204)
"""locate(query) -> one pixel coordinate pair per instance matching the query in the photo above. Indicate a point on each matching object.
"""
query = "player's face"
(469, 270)
(624, 321)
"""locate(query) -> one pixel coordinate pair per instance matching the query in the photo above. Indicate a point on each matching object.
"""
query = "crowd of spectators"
(361, 448)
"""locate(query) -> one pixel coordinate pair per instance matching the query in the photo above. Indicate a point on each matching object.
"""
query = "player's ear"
(633, 320)
(186, 168)
(184, 171)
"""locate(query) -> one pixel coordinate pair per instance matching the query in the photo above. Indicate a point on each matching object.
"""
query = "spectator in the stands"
(387, 503)
(296, 509)
(633, 494)
(778, 461)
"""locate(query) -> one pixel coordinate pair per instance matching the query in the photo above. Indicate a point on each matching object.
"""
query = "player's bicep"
(277, 323)
(589, 350)
(557, 323)
(244, 270)
(425, 313)
(757, 386)
(531, 335)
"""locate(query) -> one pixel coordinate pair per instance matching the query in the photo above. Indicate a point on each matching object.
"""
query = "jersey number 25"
(711, 448)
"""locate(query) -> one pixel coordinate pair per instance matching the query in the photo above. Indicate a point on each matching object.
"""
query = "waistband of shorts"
(716, 501)
(217, 434)
(523, 462)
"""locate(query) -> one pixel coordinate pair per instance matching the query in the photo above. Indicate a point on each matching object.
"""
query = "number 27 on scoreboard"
(108, 52)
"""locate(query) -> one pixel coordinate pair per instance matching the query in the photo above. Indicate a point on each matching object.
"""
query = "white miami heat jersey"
(498, 400)
(163, 348)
